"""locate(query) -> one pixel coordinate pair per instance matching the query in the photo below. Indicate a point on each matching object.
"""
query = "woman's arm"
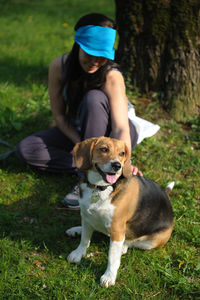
(58, 106)
(115, 90)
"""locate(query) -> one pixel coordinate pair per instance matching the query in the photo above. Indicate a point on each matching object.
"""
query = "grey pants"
(51, 150)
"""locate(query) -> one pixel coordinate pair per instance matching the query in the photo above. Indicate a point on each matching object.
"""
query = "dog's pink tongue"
(111, 178)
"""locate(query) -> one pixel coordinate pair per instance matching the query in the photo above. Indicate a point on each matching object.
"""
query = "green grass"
(33, 244)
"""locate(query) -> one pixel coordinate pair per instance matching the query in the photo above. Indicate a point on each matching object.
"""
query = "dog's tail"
(169, 187)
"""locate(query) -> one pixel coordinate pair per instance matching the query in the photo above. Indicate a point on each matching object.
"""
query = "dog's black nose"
(116, 166)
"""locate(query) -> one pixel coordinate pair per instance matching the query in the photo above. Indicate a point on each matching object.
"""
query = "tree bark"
(159, 50)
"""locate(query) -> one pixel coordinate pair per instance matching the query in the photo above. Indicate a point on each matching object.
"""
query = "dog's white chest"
(96, 208)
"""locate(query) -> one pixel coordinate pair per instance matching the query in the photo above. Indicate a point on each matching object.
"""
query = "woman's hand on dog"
(136, 171)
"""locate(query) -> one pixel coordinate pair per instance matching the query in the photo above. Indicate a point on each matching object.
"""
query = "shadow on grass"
(39, 219)
(21, 74)
(41, 226)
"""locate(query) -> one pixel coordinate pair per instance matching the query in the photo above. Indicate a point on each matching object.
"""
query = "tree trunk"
(159, 50)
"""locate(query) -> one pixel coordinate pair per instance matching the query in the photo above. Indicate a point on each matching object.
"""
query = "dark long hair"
(74, 72)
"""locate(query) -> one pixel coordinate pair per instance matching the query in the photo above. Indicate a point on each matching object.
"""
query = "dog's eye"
(104, 149)
(122, 153)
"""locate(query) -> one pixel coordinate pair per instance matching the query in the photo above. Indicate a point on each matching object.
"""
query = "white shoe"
(70, 201)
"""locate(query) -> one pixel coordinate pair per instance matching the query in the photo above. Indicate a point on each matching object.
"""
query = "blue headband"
(96, 40)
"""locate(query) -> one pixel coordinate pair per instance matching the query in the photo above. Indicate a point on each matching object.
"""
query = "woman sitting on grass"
(87, 96)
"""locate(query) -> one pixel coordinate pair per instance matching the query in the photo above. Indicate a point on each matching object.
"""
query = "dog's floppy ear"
(127, 172)
(82, 153)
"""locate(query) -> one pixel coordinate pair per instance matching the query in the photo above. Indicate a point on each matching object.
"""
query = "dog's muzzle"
(110, 177)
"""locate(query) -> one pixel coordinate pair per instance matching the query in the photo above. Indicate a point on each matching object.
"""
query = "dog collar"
(93, 186)
(98, 187)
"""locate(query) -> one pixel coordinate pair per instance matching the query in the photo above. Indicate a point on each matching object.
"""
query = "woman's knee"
(31, 149)
(94, 99)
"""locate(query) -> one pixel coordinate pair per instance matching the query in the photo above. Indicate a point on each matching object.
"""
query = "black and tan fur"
(142, 214)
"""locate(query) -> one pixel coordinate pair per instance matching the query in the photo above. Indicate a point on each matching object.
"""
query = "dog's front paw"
(75, 256)
(74, 230)
(107, 279)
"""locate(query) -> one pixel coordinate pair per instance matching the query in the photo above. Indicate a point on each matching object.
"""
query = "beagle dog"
(132, 210)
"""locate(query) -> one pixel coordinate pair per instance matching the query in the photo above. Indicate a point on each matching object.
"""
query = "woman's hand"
(135, 171)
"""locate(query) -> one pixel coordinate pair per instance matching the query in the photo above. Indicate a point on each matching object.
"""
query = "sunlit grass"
(33, 244)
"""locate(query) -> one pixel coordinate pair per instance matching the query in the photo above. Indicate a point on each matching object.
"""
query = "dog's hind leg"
(143, 242)
(126, 246)
(74, 231)
(148, 242)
